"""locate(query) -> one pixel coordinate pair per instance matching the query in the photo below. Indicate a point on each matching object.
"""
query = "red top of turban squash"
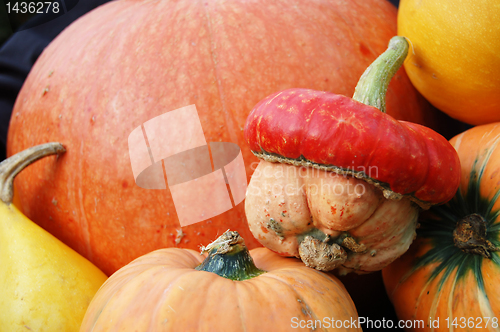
(340, 134)
(323, 219)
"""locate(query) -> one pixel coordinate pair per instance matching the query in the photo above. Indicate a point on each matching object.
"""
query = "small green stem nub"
(372, 86)
(229, 258)
(10, 167)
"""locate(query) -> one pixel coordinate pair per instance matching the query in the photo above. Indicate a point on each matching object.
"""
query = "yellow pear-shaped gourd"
(44, 284)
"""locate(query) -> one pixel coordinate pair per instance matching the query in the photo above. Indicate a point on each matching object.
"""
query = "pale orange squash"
(448, 279)
(177, 290)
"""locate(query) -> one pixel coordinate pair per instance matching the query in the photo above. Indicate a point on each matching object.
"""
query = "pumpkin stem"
(10, 167)
(470, 236)
(229, 258)
(373, 84)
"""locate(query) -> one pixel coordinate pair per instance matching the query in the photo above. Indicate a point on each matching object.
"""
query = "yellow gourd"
(44, 285)
(455, 61)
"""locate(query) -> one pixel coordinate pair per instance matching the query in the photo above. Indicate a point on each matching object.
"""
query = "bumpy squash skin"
(285, 203)
(162, 291)
(437, 279)
(129, 61)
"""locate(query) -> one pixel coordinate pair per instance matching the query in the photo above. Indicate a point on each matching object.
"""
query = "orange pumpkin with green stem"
(451, 272)
(232, 289)
(341, 181)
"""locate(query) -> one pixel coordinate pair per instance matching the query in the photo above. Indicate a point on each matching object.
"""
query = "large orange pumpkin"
(129, 61)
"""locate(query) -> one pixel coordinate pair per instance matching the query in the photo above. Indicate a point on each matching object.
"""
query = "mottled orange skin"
(161, 291)
(413, 295)
(129, 61)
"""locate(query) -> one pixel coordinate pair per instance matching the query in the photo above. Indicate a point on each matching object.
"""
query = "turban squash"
(340, 181)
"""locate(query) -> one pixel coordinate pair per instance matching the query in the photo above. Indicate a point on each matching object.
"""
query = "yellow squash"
(44, 285)
(456, 55)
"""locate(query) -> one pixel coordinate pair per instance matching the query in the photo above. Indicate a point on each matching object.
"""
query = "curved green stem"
(373, 84)
(229, 258)
(10, 167)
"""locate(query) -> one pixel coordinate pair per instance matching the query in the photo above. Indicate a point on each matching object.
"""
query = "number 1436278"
(471, 322)
(33, 7)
